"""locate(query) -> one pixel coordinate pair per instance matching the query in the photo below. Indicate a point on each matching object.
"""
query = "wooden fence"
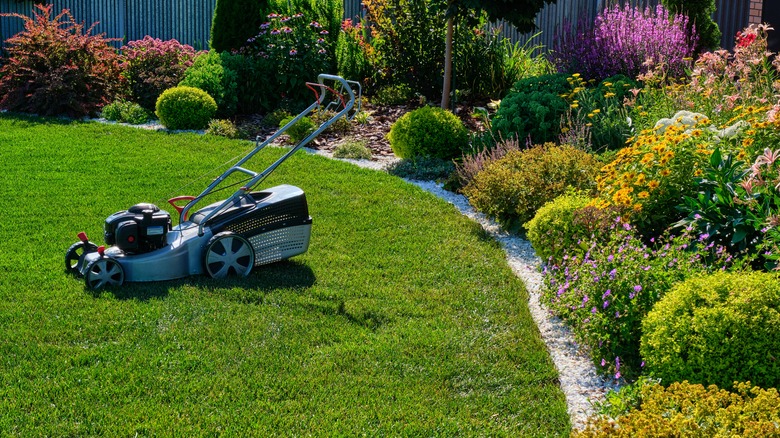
(189, 21)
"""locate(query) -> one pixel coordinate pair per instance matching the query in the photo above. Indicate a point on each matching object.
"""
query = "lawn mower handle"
(258, 177)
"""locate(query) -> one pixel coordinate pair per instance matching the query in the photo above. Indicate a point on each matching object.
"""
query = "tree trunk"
(445, 94)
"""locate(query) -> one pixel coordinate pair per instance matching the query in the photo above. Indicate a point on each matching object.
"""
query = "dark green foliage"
(716, 329)
(208, 72)
(185, 108)
(393, 95)
(533, 109)
(250, 81)
(512, 188)
(234, 22)
(428, 132)
(55, 67)
(521, 13)
(699, 14)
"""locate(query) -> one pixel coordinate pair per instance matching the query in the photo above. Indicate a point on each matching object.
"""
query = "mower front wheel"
(74, 256)
(228, 254)
(103, 272)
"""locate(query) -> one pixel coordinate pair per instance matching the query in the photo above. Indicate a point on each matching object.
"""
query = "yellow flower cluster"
(651, 166)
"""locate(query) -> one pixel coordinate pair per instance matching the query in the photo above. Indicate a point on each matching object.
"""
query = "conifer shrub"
(185, 108)
(151, 66)
(57, 67)
(699, 13)
(716, 329)
(234, 22)
(428, 132)
(512, 188)
(686, 409)
(210, 74)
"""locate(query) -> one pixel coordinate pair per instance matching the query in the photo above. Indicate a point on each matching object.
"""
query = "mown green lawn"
(402, 319)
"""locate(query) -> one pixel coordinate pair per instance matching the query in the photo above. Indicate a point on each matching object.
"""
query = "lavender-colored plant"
(605, 293)
(625, 40)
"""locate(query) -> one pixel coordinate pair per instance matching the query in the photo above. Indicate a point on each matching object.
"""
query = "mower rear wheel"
(104, 272)
(74, 254)
(228, 254)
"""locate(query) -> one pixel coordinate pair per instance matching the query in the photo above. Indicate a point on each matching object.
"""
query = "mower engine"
(141, 228)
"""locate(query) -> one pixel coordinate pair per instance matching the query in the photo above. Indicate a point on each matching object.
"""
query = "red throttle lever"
(179, 208)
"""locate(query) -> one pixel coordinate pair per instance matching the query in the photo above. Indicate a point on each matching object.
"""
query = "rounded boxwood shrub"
(513, 187)
(717, 330)
(552, 230)
(428, 132)
(185, 108)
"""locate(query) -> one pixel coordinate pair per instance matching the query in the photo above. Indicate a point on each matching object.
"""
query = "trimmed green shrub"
(125, 112)
(716, 330)
(352, 149)
(533, 109)
(210, 75)
(512, 188)
(222, 128)
(234, 22)
(690, 410)
(552, 230)
(300, 130)
(428, 132)
(185, 108)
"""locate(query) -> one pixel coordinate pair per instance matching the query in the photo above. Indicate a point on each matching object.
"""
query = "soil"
(374, 132)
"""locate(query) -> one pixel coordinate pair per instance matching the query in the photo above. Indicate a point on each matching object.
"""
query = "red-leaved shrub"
(152, 66)
(56, 67)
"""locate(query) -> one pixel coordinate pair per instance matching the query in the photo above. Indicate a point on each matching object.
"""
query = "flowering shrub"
(605, 294)
(408, 38)
(685, 409)
(621, 40)
(648, 178)
(722, 84)
(56, 67)
(151, 66)
(512, 188)
(472, 164)
(290, 51)
(716, 329)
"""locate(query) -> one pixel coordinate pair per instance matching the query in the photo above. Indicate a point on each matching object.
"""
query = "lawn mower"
(228, 237)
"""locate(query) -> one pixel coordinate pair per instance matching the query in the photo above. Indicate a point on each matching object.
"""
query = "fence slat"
(189, 21)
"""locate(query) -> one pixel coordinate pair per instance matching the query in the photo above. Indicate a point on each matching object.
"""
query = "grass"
(401, 319)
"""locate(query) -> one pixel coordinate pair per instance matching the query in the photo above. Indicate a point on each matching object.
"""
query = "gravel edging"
(579, 380)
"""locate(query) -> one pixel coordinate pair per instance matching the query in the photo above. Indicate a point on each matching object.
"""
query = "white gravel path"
(579, 380)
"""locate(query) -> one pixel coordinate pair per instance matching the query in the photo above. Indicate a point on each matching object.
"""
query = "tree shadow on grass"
(287, 274)
(23, 120)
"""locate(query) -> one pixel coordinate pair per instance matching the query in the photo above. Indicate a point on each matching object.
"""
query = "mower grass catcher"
(228, 237)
